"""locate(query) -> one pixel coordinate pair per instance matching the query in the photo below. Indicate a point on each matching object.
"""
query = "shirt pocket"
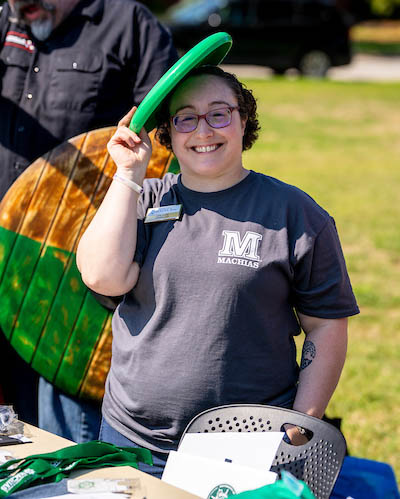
(14, 64)
(75, 81)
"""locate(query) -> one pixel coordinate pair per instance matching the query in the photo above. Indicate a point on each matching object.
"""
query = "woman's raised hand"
(130, 152)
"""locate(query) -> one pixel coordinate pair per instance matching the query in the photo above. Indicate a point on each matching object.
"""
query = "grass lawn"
(340, 142)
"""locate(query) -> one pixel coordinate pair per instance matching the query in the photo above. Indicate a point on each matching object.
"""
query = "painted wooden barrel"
(46, 312)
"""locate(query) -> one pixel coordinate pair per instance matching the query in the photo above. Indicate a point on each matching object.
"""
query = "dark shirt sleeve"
(4, 24)
(4, 15)
(155, 52)
(321, 283)
(141, 243)
(143, 230)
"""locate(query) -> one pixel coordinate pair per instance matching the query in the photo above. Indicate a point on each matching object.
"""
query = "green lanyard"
(19, 474)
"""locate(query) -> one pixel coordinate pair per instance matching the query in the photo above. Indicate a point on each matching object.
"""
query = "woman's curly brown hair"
(246, 103)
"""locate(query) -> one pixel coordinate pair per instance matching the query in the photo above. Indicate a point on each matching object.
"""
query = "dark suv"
(309, 35)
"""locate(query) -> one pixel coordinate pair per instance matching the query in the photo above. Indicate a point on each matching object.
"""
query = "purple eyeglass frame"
(204, 116)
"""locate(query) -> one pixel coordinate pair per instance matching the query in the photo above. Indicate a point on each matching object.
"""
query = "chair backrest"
(317, 462)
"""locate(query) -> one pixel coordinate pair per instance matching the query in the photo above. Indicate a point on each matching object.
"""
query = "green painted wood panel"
(57, 320)
(87, 330)
(38, 300)
(18, 267)
(60, 322)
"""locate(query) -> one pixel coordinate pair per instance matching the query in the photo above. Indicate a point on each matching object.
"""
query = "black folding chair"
(317, 462)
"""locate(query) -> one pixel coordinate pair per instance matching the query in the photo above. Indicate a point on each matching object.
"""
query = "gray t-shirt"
(211, 320)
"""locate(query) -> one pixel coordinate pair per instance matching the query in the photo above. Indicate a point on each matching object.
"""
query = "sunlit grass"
(340, 142)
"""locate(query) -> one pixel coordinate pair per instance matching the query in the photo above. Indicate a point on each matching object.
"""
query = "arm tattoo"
(308, 354)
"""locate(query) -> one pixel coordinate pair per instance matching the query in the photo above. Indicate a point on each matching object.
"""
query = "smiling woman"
(217, 283)
(210, 156)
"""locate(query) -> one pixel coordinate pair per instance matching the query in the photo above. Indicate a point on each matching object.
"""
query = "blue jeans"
(108, 434)
(67, 416)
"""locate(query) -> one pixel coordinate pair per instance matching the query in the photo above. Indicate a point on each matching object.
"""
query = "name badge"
(163, 213)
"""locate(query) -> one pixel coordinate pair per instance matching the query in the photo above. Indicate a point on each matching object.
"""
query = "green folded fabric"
(286, 488)
(19, 474)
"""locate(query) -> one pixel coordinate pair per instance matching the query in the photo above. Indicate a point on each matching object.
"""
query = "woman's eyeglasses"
(217, 118)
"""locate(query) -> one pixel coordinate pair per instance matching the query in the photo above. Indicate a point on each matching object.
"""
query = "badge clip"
(163, 213)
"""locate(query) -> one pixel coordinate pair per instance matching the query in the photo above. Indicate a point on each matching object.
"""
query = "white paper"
(95, 486)
(21, 438)
(203, 477)
(256, 450)
(6, 456)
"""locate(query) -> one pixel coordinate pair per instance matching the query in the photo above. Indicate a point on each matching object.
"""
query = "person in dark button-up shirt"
(102, 58)
(67, 67)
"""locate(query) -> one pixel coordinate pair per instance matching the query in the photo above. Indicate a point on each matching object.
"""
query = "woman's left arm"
(322, 360)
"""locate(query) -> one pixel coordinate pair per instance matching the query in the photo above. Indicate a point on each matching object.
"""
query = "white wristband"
(132, 185)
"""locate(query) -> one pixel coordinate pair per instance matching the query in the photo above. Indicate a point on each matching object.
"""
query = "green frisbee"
(212, 50)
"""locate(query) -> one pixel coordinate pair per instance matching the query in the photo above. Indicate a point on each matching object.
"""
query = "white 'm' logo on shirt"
(235, 248)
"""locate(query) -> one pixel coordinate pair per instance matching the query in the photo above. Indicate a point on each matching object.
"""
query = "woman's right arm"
(106, 249)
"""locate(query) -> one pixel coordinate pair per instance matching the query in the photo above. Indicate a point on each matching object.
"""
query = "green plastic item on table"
(19, 474)
(288, 487)
(212, 50)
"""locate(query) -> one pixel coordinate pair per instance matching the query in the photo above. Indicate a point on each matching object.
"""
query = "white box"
(256, 450)
(210, 478)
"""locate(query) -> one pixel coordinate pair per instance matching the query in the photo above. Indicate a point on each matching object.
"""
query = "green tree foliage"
(384, 7)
